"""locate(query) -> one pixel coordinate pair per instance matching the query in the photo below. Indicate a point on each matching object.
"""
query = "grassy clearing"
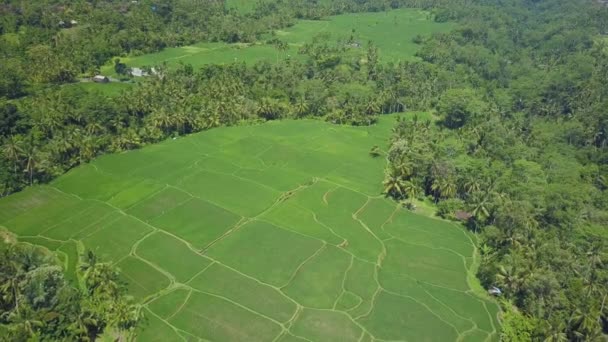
(275, 231)
(392, 32)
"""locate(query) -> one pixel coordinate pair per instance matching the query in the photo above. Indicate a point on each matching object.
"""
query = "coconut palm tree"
(301, 107)
(585, 323)
(511, 279)
(35, 160)
(555, 333)
(480, 205)
(13, 150)
(410, 189)
(443, 188)
(393, 184)
(24, 324)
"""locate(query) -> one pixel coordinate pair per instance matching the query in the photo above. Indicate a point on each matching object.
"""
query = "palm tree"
(213, 120)
(268, 108)
(24, 324)
(585, 323)
(470, 184)
(125, 316)
(393, 185)
(372, 107)
(162, 120)
(555, 334)
(410, 189)
(88, 148)
(443, 188)
(301, 107)
(13, 150)
(511, 279)
(31, 156)
(480, 206)
(95, 128)
(180, 120)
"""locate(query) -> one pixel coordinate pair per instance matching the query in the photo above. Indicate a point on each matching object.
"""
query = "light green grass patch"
(433, 233)
(115, 240)
(96, 224)
(154, 329)
(315, 196)
(465, 305)
(476, 335)
(324, 325)
(134, 194)
(395, 317)
(172, 255)
(277, 178)
(51, 245)
(267, 301)
(318, 283)
(86, 213)
(124, 163)
(26, 200)
(53, 210)
(427, 264)
(290, 338)
(88, 183)
(255, 246)
(212, 318)
(292, 217)
(142, 279)
(376, 213)
(159, 203)
(197, 221)
(342, 205)
(409, 287)
(215, 164)
(70, 249)
(348, 301)
(240, 196)
(169, 304)
(361, 281)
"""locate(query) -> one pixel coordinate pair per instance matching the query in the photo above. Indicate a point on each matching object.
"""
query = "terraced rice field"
(392, 32)
(275, 232)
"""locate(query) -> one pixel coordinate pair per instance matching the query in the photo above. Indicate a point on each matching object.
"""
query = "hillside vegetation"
(392, 32)
(515, 146)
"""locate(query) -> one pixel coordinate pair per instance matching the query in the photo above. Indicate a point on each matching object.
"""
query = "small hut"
(138, 72)
(101, 79)
(462, 215)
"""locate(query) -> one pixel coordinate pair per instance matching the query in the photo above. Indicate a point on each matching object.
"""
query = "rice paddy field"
(392, 32)
(272, 232)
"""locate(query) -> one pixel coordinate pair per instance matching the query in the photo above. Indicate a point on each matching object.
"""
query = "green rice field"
(392, 32)
(271, 232)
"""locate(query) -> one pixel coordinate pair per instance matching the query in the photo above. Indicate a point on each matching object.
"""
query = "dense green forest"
(38, 301)
(518, 148)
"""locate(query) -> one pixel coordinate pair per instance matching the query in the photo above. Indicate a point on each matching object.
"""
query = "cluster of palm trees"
(38, 303)
(537, 268)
